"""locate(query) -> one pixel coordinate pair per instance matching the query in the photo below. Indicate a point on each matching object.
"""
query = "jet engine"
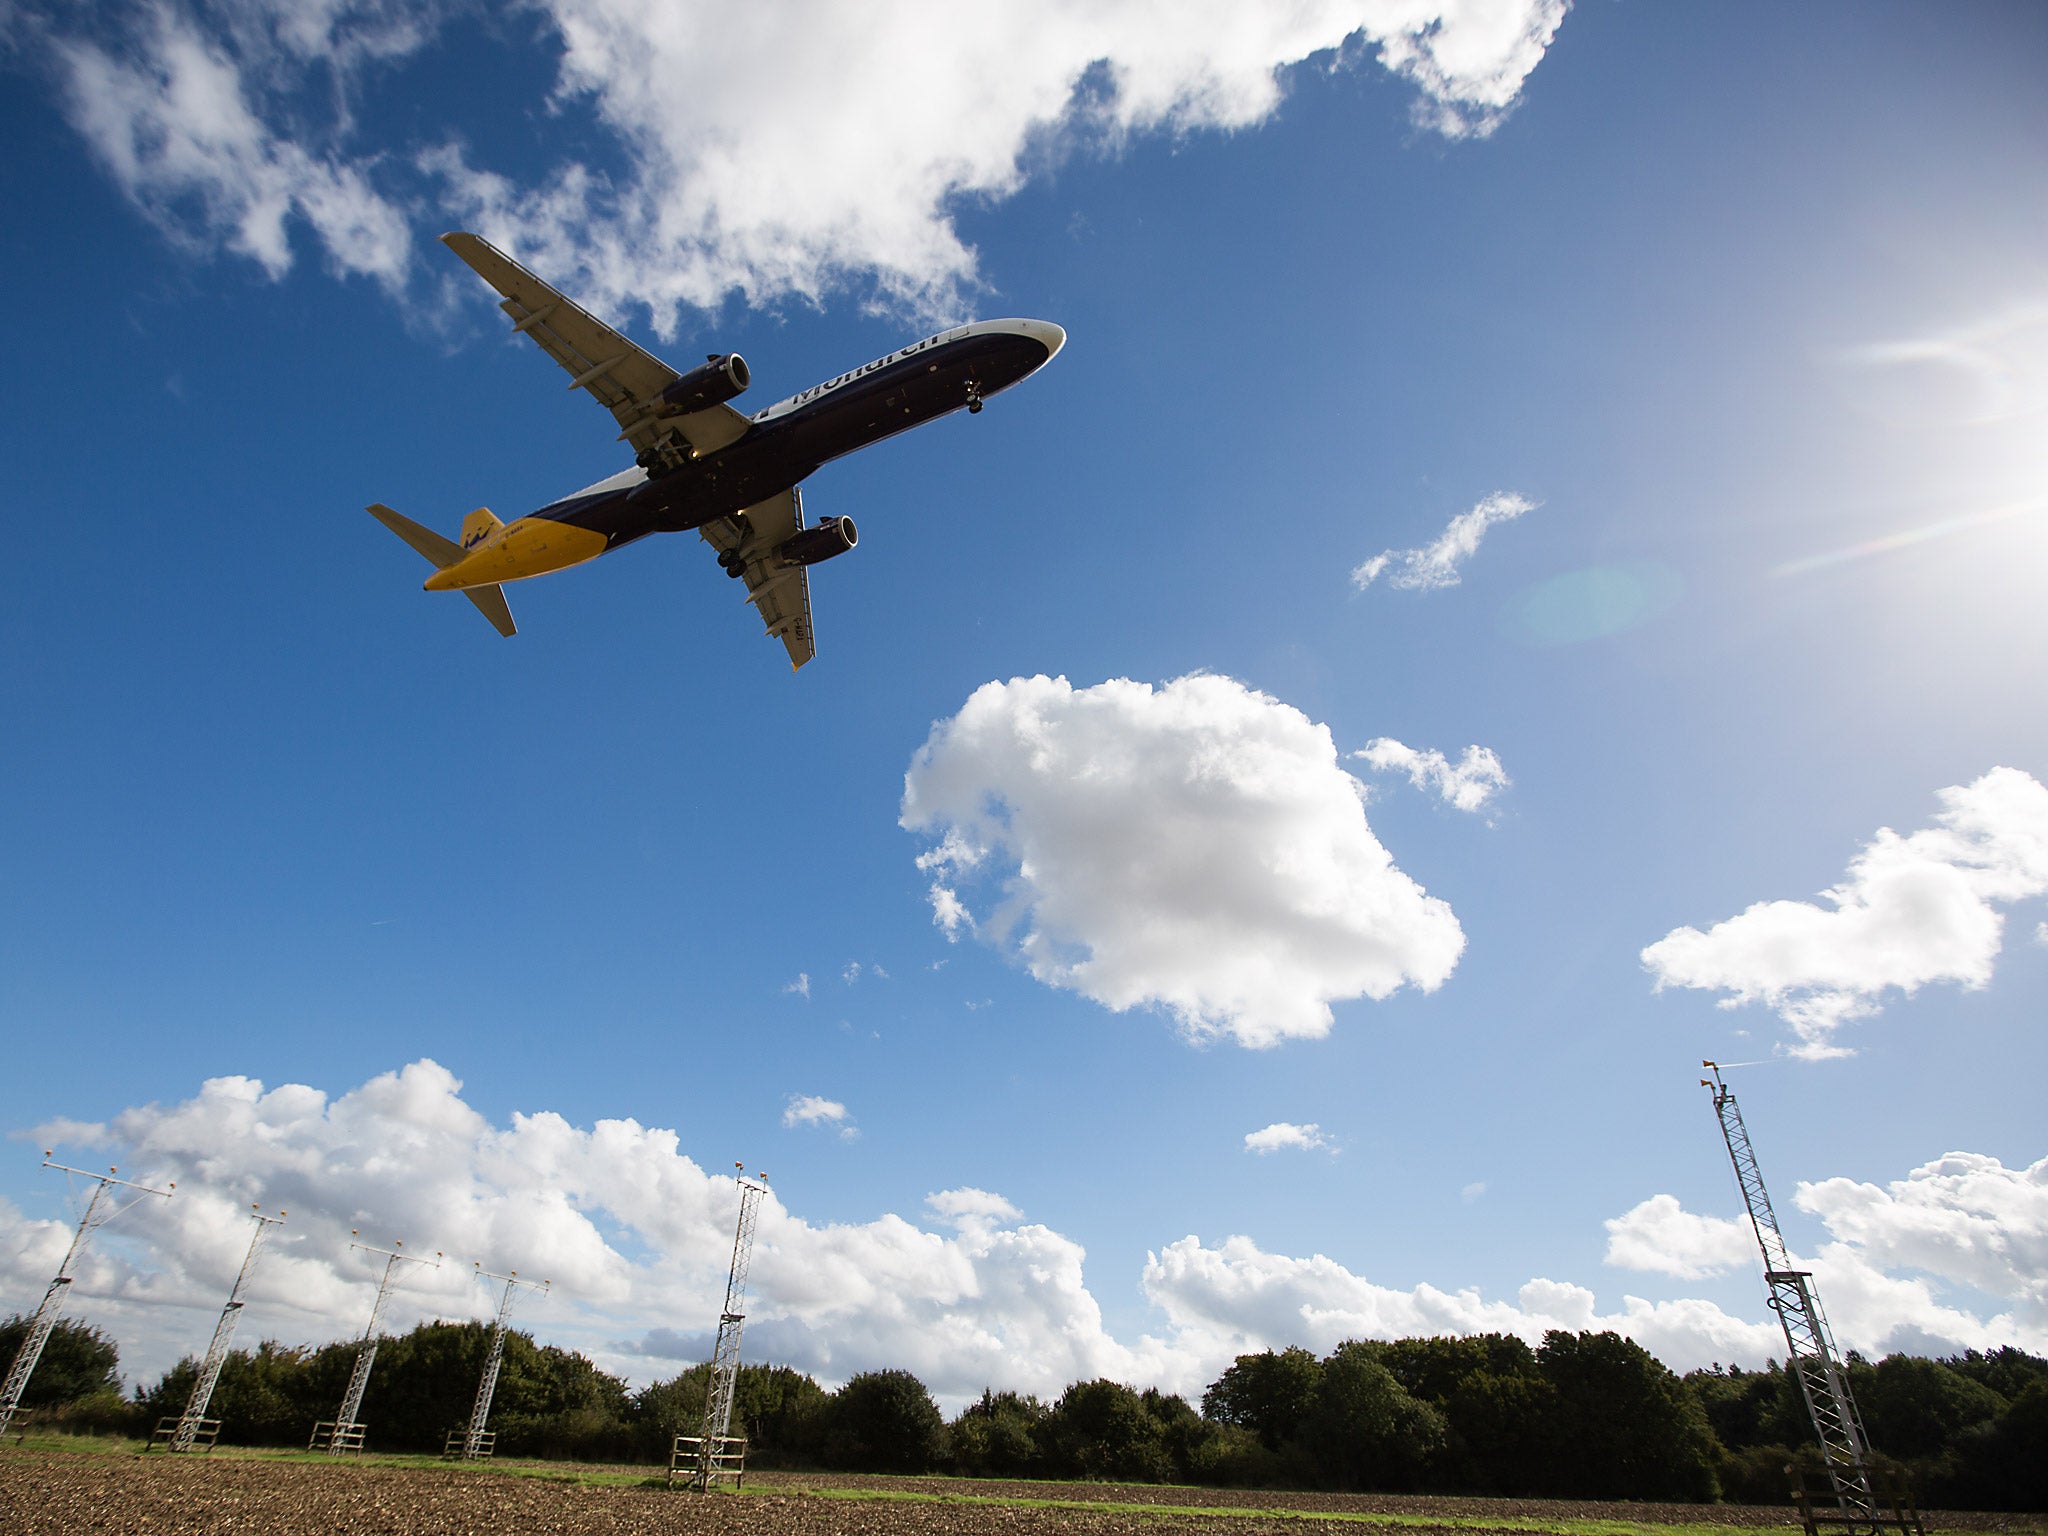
(832, 536)
(723, 375)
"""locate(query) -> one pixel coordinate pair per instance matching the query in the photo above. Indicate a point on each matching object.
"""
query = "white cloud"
(1467, 784)
(1897, 1255)
(811, 1109)
(801, 986)
(175, 127)
(1281, 1134)
(949, 914)
(1965, 1217)
(968, 1206)
(771, 153)
(636, 1236)
(1660, 1236)
(1232, 1298)
(1193, 846)
(1912, 910)
(1436, 564)
(1472, 1191)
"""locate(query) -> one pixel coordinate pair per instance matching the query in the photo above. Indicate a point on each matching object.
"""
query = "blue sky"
(1746, 308)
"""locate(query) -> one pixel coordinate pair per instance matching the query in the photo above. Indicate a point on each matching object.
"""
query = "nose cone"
(1046, 334)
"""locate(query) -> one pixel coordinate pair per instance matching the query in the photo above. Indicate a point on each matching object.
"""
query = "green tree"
(1366, 1430)
(1102, 1430)
(884, 1421)
(1914, 1408)
(2007, 1371)
(997, 1436)
(78, 1361)
(1623, 1427)
(1267, 1393)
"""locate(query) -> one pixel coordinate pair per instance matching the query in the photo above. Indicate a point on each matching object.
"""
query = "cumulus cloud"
(772, 153)
(811, 1109)
(968, 1206)
(1280, 1133)
(1436, 564)
(1966, 1217)
(1468, 784)
(1661, 1236)
(636, 1236)
(1911, 910)
(1194, 847)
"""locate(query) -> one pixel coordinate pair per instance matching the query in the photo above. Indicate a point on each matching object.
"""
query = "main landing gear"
(973, 397)
(734, 561)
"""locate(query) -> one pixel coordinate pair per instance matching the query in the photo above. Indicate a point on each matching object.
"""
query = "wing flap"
(780, 593)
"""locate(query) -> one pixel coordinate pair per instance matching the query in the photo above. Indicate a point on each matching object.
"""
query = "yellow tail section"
(478, 526)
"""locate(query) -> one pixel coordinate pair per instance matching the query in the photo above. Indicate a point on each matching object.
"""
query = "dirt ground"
(69, 1494)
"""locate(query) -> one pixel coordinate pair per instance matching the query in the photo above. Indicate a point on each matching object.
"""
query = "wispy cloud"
(1468, 784)
(728, 160)
(801, 986)
(1436, 564)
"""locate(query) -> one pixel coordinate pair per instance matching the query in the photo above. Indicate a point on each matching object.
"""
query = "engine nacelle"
(833, 536)
(722, 376)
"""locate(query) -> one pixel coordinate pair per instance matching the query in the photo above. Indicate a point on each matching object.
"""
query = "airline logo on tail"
(478, 526)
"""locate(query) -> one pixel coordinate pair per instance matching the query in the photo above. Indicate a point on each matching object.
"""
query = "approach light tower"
(346, 1433)
(189, 1423)
(99, 1210)
(716, 1459)
(475, 1444)
(1809, 1346)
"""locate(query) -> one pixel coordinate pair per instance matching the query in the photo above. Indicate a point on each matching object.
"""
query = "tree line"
(1583, 1416)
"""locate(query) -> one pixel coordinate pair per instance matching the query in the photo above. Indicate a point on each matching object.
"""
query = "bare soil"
(45, 1493)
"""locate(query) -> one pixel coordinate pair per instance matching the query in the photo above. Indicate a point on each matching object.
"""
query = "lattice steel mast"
(223, 1334)
(725, 1358)
(347, 1434)
(45, 1321)
(1809, 1345)
(479, 1415)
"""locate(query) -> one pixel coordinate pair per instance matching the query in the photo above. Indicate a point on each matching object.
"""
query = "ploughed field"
(45, 1491)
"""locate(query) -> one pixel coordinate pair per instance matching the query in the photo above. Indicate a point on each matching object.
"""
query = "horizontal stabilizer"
(490, 602)
(442, 552)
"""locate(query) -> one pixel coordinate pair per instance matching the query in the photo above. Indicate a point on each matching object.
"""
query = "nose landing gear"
(973, 397)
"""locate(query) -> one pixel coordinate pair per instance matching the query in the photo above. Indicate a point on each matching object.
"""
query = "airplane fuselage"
(780, 447)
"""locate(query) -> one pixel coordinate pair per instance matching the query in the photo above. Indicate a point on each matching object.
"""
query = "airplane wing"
(780, 593)
(617, 374)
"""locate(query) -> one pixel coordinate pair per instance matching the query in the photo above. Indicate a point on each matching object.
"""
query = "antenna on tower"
(475, 1443)
(1810, 1348)
(181, 1433)
(345, 1432)
(45, 1321)
(717, 1455)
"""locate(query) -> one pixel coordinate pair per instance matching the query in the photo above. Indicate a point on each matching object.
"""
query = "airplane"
(699, 463)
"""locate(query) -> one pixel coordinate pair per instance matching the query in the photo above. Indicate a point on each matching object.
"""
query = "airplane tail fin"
(490, 601)
(440, 552)
(478, 526)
